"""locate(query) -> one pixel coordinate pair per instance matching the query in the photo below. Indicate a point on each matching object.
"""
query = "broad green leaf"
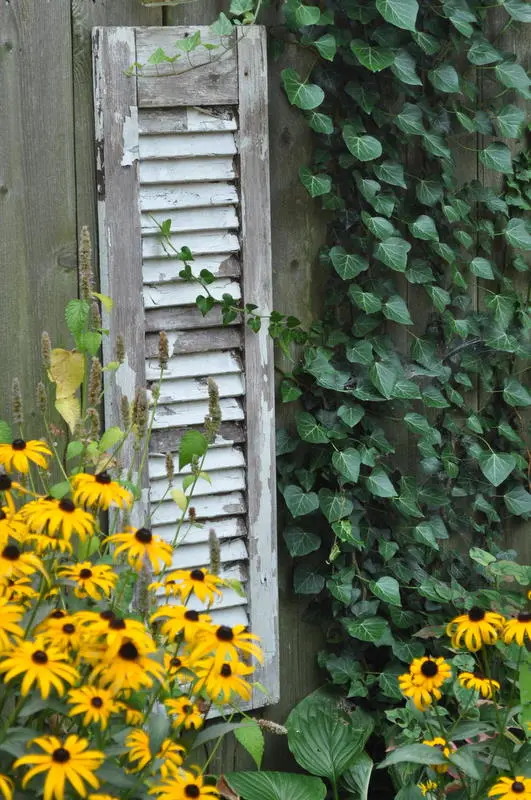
(370, 629)
(374, 59)
(396, 310)
(496, 467)
(482, 268)
(409, 120)
(59, 490)
(275, 786)
(513, 76)
(510, 121)
(351, 415)
(309, 429)
(289, 391)
(111, 437)
(518, 233)
(425, 533)
(518, 501)
(518, 9)
(193, 444)
(357, 777)
(347, 266)
(326, 45)
(436, 145)
(335, 506)
(445, 78)
(299, 502)
(367, 301)
(428, 192)
(380, 227)
(315, 184)
(387, 589)
(379, 484)
(222, 26)
(347, 463)
(482, 52)
(73, 450)
(465, 760)
(391, 172)
(364, 148)
(393, 253)
(306, 580)
(360, 352)
(383, 376)
(6, 435)
(417, 423)
(439, 297)
(76, 316)
(481, 556)
(414, 754)
(515, 394)
(320, 123)
(497, 156)
(424, 228)
(300, 542)
(307, 15)
(400, 13)
(404, 68)
(306, 96)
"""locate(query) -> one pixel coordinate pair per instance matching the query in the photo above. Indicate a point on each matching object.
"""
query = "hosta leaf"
(496, 467)
(379, 484)
(315, 184)
(497, 156)
(374, 59)
(303, 95)
(299, 502)
(393, 253)
(364, 148)
(445, 78)
(276, 786)
(401, 13)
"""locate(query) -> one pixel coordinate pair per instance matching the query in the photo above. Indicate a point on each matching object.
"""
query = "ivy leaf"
(306, 580)
(436, 145)
(335, 506)
(445, 78)
(424, 228)
(374, 59)
(222, 26)
(383, 376)
(388, 590)
(400, 13)
(396, 310)
(391, 172)
(303, 95)
(300, 542)
(367, 301)
(315, 184)
(347, 463)
(496, 467)
(307, 15)
(364, 148)
(404, 68)
(298, 502)
(347, 266)
(326, 45)
(371, 629)
(439, 297)
(517, 233)
(510, 121)
(320, 123)
(513, 76)
(409, 120)
(482, 53)
(426, 42)
(482, 268)
(518, 501)
(497, 156)
(380, 227)
(309, 429)
(393, 253)
(350, 415)
(518, 9)
(379, 485)
(515, 394)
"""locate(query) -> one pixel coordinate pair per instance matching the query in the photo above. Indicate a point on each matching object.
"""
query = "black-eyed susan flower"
(112, 631)
(518, 788)
(60, 518)
(170, 753)
(419, 695)
(18, 591)
(63, 761)
(41, 664)
(221, 682)
(6, 787)
(63, 632)
(11, 527)
(102, 797)
(423, 681)
(10, 616)
(16, 564)
(184, 785)
(181, 619)
(140, 544)
(95, 703)
(427, 787)
(100, 491)
(18, 455)
(133, 716)
(127, 668)
(196, 581)
(485, 686)
(518, 629)
(91, 580)
(184, 712)
(445, 749)
(178, 665)
(225, 643)
(475, 628)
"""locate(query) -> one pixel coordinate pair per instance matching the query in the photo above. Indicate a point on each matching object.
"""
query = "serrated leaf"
(393, 253)
(179, 497)
(347, 463)
(396, 310)
(482, 268)
(76, 316)
(306, 96)
(497, 156)
(387, 589)
(374, 59)
(445, 78)
(496, 467)
(110, 438)
(251, 738)
(379, 484)
(346, 265)
(400, 13)
(299, 502)
(192, 444)
(6, 435)
(315, 184)
(300, 542)
(364, 148)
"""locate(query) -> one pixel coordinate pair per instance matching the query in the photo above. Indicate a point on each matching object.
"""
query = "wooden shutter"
(188, 142)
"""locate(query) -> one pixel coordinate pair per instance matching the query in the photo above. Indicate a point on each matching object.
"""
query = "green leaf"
(374, 59)
(347, 266)
(73, 450)
(383, 376)
(298, 502)
(307, 15)
(379, 484)
(510, 121)
(482, 268)
(393, 253)
(518, 234)
(315, 184)
(275, 786)
(252, 739)
(404, 68)
(414, 754)
(497, 156)
(371, 629)
(360, 353)
(436, 145)
(426, 534)
(388, 590)
(320, 123)
(465, 760)
(380, 227)
(6, 435)
(496, 467)
(76, 316)
(110, 438)
(364, 148)
(513, 76)
(193, 444)
(391, 172)
(306, 580)
(222, 26)
(482, 52)
(347, 463)
(357, 777)
(424, 228)
(428, 192)
(515, 394)
(396, 310)
(300, 543)
(518, 501)
(518, 9)
(367, 301)
(289, 391)
(400, 13)
(409, 120)
(59, 490)
(439, 297)
(351, 415)
(335, 506)
(326, 45)
(309, 429)
(303, 95)
(445, 78)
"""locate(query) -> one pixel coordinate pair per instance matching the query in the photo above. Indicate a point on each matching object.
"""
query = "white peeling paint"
(130, 139)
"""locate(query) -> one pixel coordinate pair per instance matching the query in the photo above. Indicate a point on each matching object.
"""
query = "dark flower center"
(103, 478)
(191, 616)
(128, 651)
(5, 483)
(61, 755)
(39, 657)
(197, 575)
(225, 671)
(117, 624)
(58, 614)
(18, 444)
(192, 791)
(429, 669)
(524, 616)
(2, 514)
(85, 573)
(107, 614)
(143, 535)
(224, 633)
(476, 614)
(67, 505)
(518, 787)
(11, 552)
(186, 708)
(69, 628)
(97, 702)
(176, 662)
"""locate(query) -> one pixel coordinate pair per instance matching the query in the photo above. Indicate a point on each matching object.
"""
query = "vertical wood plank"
(198, 12)
(37, 190)
(260, 397)
(116, 121)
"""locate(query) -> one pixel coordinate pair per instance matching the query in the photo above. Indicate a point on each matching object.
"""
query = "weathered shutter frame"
(120, 246)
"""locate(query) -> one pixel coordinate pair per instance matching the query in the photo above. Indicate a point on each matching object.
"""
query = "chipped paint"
(130, 138)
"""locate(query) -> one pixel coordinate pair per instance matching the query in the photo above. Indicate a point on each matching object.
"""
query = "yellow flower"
(133, 716)
(18, 455)
(95, 703)
(184, 712)
(102, 797)
(18, 591)
(41, 664)
(195, 581)
(172, 756)
(442, 744)
(141, 544)
(475, 628)
(41, 542)
(113, 631)
(181, 619)
(176, 665)
(16, 564)
(425, 677)
(61, 630)
(100, 491)
(518, 788)
(516, 630)
(225, 642)
(12, 527)
(63, 761)
(10, 616)
(220, 682)
(427, 787)
(485, 686)
(184, 785)
(6, 787)
(127, 668)
(59, 517)
(92, 580)
(420, 696)
(140, 751)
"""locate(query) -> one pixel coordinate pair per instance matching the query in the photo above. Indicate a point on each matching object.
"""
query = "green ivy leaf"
(380, 227)
(515, 394)
(497, 156)
(409, 120)
(347, 463)
(351, 415)
(371, 629)
(401, 13)
(300, 542)
(424, 228)
(513, 76)
(379, 485)
(320, 123)
(298, 502)
(367, 301)
(383, 376)
(326, 45)
(309, 429)
(396, 310)
(391, 172)
(496, 467)
(518, 501)
(428, 192)
(482, 268)
(404, 68)
(335, 506)
(306, 96)
(518, 9)
(445, 78)
(439, 297)
(222, 26)
(315, 184)
(347, 266)
(510, 121)
(307, 15)
(517, 233)
(393, 253)
(306, 580)
(482, 53)
(374, 59)
(387, 589)
(364, 148)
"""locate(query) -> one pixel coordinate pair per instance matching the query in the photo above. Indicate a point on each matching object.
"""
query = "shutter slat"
(197, 219)
(195, 366)
(192, 120)
(191, 195)
(187, 170)
(225, 505)
(215, 459)
(184, 294)
(167, 440)
(200, 341)
(182, 413)
(222, 481)
(166, 270)
(186, 145)
(192, 389)
(208, 241)
(183, 318)
(225, 528)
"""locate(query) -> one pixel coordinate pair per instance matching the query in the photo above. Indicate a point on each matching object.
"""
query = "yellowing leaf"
(67, 368)
(180, 498)
(104, 299)
(70, 410)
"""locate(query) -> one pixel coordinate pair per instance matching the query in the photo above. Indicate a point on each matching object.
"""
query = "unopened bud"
(140, 412)
(16, 402)
(215, 552)
(94, 384)
(120, 349)
(164, 350)
(125, 412)
(85, 264)
(192, 514)
(46, 350)
(168, 463)
(93, 423)
(42, 400)
(213, 418)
